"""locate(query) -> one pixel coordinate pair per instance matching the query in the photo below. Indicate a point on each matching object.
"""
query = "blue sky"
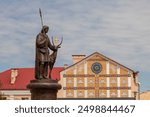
(119, 29)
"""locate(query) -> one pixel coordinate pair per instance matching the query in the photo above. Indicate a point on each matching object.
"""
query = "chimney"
(14, 74)
(77, 58)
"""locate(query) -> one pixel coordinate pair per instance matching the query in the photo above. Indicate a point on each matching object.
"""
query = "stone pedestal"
(44, 89)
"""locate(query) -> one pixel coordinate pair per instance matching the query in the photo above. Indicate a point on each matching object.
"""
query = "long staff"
(41, 17)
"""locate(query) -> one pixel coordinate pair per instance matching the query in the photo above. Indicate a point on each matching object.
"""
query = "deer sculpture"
(53, 56)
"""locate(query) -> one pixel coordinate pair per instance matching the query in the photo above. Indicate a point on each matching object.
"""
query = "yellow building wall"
(145, 95)
(97, 83)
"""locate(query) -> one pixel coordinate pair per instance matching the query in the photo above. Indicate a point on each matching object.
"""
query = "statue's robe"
(42, 53)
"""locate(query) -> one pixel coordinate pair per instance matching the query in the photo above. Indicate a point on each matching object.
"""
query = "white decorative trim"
(64, 85)
(75, 93)
(75, 79)
(129, 93)
(64, 82)
(107, 67)
(64, 93)
(108, 79)
(107, 72)
(85, 67)
(108, 82)
(129, 81)
(118, 91)
(129, 85)
(108, 93)
(75, 82)
(118, 80)
(85, 94)
(85, 73)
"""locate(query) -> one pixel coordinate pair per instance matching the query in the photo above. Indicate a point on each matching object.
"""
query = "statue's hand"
(56, 47)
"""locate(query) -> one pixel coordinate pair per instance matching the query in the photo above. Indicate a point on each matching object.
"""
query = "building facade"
(93, 77)
(99, 77)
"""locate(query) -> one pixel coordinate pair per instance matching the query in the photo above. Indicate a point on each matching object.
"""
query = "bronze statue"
(43, 57)
(42, 54)
(42, 87)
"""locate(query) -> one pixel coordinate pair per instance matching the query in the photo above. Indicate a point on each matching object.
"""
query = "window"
(69, 94)
(102, 94)
(113, 94)
(90, 81)
(91, 94)
(80, 94)
(124, 94)
(102, 81)
(80, 81)
(69, 81)
(113, 81)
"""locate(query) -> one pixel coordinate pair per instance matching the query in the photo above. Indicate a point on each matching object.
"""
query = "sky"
(118, 29)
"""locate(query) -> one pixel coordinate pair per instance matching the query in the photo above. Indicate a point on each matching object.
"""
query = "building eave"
(113, 61)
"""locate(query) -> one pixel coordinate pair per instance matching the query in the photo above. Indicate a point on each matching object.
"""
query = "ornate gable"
(100, 76)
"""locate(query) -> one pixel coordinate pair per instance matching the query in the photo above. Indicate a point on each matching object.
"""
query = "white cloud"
(118, 29)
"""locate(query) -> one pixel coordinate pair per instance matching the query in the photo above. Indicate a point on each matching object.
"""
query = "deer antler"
(59, 43)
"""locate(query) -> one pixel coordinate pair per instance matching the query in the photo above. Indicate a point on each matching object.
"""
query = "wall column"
(85, 79)
(108, 78)
(64, 83)
(118, 80)
(75, 81)
(129, 85)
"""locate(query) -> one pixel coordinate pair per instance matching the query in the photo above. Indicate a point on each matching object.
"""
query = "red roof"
(23, 78)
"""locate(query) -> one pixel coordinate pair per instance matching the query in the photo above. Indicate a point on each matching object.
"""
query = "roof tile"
(23, 78)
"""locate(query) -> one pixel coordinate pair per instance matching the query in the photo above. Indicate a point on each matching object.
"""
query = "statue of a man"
(43, 45)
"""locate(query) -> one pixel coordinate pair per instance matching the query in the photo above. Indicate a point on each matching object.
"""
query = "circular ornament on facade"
(96, 67)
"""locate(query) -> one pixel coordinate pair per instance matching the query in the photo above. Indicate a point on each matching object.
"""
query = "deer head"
(59, 45)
